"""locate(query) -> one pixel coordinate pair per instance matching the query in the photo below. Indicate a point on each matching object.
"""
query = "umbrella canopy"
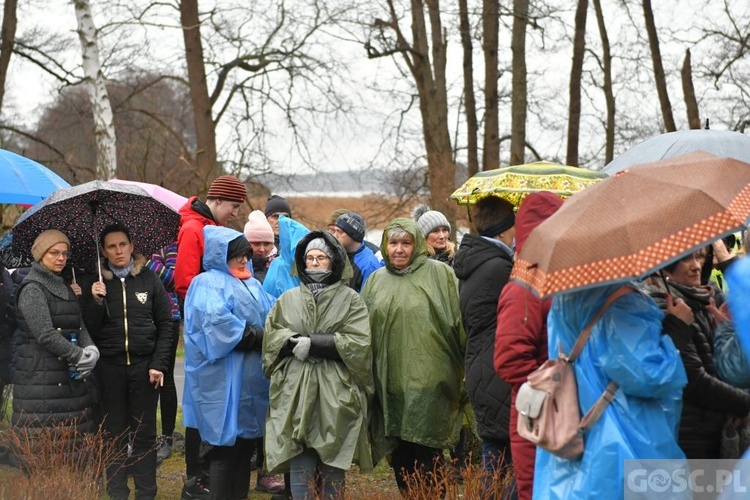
(722, 143)
(9, 259)
(636, 222)
(81, 212)
(163, 194)
(514, 183)
(26, 182)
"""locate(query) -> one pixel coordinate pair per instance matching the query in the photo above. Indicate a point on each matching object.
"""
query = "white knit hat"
(429, 220)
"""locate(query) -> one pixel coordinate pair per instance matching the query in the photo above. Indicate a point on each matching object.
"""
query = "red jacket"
(190, 244)
(521, 336)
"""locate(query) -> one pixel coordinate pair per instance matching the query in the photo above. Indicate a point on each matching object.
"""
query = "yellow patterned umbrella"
(514, 183)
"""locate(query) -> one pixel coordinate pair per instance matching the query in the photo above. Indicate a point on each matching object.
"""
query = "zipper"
(125, 319)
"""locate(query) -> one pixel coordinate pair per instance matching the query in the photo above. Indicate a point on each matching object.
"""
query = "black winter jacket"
(484, 269)
(134, 322)
(43, 392)
(707, 400)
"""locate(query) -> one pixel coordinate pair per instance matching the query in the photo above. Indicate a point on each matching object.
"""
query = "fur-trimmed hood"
(140, 265)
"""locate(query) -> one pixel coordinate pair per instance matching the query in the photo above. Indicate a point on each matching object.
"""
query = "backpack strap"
(586, 333)
(596, 411)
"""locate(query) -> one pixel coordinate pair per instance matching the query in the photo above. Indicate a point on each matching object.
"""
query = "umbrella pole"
(664, 279)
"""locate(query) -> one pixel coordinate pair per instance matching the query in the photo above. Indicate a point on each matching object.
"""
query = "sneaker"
(163, 448)
(194, 487)
(270, 484)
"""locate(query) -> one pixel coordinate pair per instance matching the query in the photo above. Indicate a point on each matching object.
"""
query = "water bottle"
(73, 369)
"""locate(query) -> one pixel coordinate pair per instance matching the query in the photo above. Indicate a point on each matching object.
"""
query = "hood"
(195, 209)
(534, 209)
(290, 233)
(216, 243)
(420, 254)
(341, 269)
(473, 253)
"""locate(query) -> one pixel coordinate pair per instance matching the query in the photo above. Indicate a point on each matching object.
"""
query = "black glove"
(288, 347)
(323, 346)
(252, 339)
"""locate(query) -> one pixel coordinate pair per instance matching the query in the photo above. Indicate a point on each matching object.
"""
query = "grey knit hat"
(429, 220)
(319, 244)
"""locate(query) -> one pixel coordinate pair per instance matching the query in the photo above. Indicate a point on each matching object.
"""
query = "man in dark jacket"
(129, 316)
(483, 264)
(350, 229)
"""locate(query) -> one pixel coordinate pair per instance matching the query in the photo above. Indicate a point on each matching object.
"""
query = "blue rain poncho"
(226, 393)
(738, 278)
(626, 346)
(281, 275)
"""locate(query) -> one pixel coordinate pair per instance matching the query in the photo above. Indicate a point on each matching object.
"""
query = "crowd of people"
(309, 351)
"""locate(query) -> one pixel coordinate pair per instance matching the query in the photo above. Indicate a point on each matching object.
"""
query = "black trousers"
(168, 392)
(129, 408)
(230, 468)
(410, 458)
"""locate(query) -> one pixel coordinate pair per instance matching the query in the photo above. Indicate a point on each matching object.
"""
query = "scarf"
(122, 272)
(317, 276)
(242, 274)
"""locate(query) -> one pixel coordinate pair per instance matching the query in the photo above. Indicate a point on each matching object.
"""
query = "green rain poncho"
(418, 346)
(320, 403)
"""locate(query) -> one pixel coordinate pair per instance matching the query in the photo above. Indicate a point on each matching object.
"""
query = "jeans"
(308, 474)
(496, 457)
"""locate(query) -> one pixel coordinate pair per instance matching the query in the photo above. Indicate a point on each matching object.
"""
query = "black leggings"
(168, 392)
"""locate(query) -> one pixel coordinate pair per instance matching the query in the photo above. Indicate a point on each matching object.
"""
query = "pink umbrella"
(164, 195)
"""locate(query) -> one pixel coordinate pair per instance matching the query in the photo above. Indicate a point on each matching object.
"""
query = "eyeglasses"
(56, 254)
(321, 259)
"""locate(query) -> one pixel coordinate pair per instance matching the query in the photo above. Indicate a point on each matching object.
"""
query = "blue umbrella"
(24, 181)
(721, 143)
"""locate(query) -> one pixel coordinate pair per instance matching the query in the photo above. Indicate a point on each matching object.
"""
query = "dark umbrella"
(7, 257)
(81, 212)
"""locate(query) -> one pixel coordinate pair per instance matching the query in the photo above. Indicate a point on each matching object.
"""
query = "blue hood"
(216, 242)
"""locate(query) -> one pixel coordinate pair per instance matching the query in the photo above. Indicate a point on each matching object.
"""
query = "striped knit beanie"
(228, 187)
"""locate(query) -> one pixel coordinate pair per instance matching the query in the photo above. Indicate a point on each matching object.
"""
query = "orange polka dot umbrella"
(632, 224)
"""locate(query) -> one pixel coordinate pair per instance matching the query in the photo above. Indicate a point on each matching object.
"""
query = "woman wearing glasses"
(317, 354)
(50, 375)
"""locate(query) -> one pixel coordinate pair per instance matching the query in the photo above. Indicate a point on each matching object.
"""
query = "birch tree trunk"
(104, 125)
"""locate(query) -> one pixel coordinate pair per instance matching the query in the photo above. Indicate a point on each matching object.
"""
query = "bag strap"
(596, 411)
(586, 333)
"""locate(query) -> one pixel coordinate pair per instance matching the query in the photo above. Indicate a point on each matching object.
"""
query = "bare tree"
(470, 107)
(691, 103)
(7, 42)
(203, 121)
(518, 107)
(425, 57)
(490, 41)
(576, 72)
(609, 94)
(659, 76)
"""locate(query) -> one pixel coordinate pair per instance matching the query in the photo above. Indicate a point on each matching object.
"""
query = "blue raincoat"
(738, 278)
(625, 346)
(279, 277)
(226, 393)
